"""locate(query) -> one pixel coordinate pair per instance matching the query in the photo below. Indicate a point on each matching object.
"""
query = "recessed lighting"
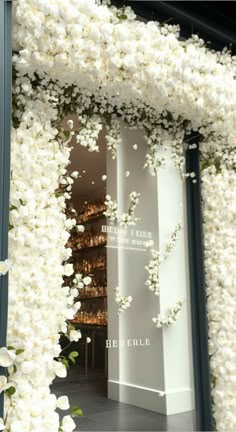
(93, 182)
(84, 171)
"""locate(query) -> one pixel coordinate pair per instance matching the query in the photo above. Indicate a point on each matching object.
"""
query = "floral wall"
(92, 59)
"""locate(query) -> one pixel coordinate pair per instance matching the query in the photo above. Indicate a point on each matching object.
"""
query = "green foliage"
(76, 411)
(10, 391)
(72, 356)
(19, 351)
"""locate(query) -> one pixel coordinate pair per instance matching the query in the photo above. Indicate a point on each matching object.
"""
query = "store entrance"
(89, 258)
(130, 268)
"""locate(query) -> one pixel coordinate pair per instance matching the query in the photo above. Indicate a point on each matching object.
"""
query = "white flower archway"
(82, 54)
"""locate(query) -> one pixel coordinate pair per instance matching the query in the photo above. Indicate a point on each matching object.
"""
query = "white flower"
(75, 335)
(27, 367)
(2, 427)
(104, 177)
(70, 124)
(80, 228)
(123, 302)
(7, 357)
(63, 403)
(60, 369)
(4, 267)
(75, 174)
(68, 424)
(87, 280)
(68, 269)
(4, 384)
(88, 339)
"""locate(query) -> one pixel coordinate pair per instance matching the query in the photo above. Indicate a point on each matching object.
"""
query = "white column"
(151, 360)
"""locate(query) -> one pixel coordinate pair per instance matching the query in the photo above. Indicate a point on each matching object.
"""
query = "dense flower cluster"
(37, 237)
(219, 193)
(103, 48)
(89, 132)
(166, 321)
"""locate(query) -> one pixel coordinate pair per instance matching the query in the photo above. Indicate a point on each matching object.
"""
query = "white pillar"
(152, 360)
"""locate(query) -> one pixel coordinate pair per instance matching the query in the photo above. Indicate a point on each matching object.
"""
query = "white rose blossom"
(68, 424)
(7, 357)
(75, 335)
(63, 403)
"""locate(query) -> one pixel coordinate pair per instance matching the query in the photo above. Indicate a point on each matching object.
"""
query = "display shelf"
(87, 248)
(89, 325)
(92, 297)
(99, 269)
(92, 219)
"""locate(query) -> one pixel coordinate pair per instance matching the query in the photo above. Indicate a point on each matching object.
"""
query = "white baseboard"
(173, 402)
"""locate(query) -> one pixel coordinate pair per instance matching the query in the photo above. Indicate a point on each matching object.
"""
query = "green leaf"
(22, 202)
(58, 194)
(73, 354)
(10, 227)
(70, 327)
(14, 368)
(19, 351)
(13, 207)
(10, 391)
(10, 347)
(76, 411)
(122, 17)
(65, 362)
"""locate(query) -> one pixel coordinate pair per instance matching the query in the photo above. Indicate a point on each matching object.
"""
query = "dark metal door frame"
(5, 126)
(202, 386)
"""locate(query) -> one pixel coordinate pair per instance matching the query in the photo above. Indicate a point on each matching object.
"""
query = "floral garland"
(119, 55)
(125, 219)
(154, 265)
(173, 313)
(123, 302)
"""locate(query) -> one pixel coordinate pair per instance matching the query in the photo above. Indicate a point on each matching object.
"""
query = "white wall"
(137, 373)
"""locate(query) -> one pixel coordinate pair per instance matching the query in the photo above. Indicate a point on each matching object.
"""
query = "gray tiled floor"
(102, 414)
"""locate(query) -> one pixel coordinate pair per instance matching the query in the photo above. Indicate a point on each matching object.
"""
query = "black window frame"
(5, 127)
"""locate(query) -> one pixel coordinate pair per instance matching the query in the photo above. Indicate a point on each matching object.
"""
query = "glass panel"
(135, 365)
